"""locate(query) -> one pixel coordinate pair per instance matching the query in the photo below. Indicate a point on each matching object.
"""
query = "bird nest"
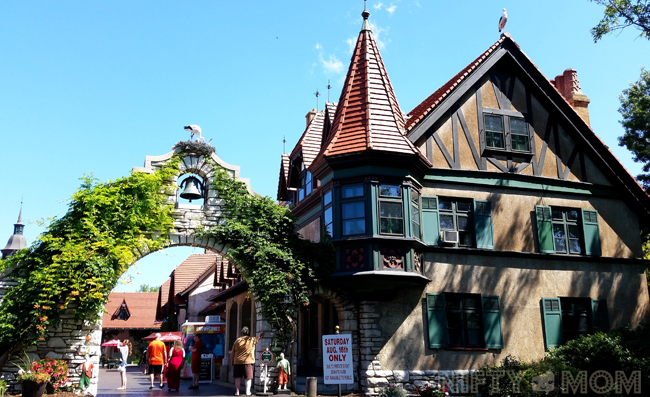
(197, 147)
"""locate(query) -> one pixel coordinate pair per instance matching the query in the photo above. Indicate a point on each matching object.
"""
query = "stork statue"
(194, 130)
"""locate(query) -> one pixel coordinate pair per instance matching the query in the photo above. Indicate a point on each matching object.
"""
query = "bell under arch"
(190, 217)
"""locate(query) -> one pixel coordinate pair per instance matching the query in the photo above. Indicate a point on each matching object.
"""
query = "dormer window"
(122, 312)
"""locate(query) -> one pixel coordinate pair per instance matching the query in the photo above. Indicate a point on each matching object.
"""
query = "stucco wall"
(198, 300)
(520, 284)
(515, 224)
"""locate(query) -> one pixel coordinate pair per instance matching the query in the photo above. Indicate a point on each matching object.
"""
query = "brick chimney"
(567, 84)
(310, 116)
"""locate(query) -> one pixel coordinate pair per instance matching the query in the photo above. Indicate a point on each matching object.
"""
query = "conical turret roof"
(368, 116)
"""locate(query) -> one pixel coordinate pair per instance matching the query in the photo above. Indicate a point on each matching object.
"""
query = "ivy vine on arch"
(78, 260)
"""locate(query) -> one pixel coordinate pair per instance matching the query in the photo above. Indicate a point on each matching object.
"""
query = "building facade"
(488, 221)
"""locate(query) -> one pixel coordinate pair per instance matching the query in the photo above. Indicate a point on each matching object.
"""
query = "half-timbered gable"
(496, 117)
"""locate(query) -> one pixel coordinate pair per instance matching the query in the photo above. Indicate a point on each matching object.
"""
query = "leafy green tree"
(635, 109)
(621, 14)
(147, 288)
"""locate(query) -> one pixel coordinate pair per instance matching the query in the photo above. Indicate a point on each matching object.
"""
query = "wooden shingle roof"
(310, 141)
(368, 116)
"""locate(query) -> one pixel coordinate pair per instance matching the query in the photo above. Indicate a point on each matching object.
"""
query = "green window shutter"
(483, 224)
(544, 229)
(492, 332)
(552, 322)
(599, 315)
(430, 220)
(591, 232)
(438, 335)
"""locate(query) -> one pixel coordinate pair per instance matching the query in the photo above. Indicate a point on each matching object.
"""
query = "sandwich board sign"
(337, 359)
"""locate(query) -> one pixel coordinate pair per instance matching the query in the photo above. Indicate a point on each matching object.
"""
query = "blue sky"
(94, 87)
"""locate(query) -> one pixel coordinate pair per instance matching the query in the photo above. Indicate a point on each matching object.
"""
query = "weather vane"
(317, 95)
(284, 143)
(328, 90)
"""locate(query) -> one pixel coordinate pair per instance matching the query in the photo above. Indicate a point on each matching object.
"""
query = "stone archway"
(72, 339)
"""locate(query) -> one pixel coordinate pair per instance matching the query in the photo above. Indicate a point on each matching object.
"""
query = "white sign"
(337, 359)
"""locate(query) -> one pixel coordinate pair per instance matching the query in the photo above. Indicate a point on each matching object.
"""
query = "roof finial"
(365, 14)
(317, 95)
(20, 214)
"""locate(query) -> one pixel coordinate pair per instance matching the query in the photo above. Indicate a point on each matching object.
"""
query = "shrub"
(392, 391)
(433, 390)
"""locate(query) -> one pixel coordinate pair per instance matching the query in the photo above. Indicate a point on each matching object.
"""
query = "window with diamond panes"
(353, 218)
(391, 210)
(457, 215)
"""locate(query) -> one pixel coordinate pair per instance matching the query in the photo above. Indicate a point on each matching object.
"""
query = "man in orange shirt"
(157, 357)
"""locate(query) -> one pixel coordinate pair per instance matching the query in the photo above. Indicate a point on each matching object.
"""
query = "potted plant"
(32, 378)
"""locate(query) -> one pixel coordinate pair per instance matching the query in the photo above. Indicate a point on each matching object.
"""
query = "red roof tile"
(434, 99)
(141, 306)
(368, 116)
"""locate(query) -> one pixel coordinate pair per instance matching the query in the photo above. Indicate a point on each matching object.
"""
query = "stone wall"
(68, 342)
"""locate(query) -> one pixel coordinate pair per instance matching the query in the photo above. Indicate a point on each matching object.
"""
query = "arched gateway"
(71, 340)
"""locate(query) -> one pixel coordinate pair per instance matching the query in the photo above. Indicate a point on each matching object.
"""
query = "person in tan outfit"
(243, 359)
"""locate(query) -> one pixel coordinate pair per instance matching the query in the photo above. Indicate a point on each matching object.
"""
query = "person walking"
(174, 364)
(125, 349)
(243, 358)
(196, 350)
(157, 357)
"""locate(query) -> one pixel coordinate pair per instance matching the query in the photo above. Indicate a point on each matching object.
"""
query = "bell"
(193, 189)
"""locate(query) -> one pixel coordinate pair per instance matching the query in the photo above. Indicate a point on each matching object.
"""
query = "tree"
(147, 288)
(635, 109)
(620, 14)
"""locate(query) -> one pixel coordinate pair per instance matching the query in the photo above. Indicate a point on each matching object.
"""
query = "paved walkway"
(138, 386)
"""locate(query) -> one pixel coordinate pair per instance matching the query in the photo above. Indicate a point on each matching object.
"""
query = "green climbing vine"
(279, 265)
(78, 260)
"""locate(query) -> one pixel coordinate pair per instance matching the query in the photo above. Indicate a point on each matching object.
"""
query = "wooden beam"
(539, 168)
(558, 151)
(454, 131)
(443, 149)
(429, 142)
(572, 158)
(583, 170)
(497, 91)
(480, 162)
(521, 167)
(497, 164)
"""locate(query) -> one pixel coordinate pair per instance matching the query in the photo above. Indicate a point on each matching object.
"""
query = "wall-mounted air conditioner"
(450, 237)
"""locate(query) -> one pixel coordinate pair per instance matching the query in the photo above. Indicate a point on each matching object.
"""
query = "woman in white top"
(125, 349)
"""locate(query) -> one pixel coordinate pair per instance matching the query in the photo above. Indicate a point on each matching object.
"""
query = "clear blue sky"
(94, 86)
